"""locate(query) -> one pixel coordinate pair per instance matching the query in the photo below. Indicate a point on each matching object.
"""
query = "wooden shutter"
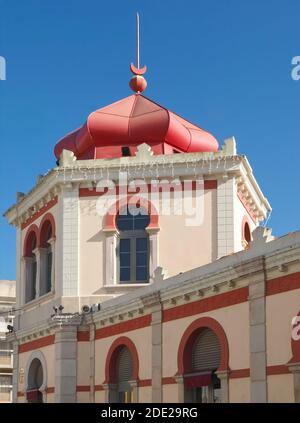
(206, 351)
(124, 365)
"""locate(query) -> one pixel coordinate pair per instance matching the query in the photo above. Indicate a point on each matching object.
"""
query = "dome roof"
(132, 121)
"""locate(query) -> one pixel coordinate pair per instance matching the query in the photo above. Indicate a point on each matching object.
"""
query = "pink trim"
(204, 305)
(118, 328)
(246, 206)
(47, 219)
(189, 337)
(239, 373)
(110, 218)
(245, 222)
(37, 344)
(39, 213)
(32, 230)
(111, 359)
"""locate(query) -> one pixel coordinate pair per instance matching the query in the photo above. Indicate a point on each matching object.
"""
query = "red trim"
(99, 388)
(283, 284)
(226, 299)
(86, 192)
(39, 213)
(50, 390)
(168, 380)
(111, 359)
(246, 206)
(110, 218)
(279, 369)
(82, 388)
(37, 343)
(20, 394)
(189, 337)
(48, 218)
(138, 323)
(245, 222)
(145, 382)
(239, 373)
(32, 231)
(83, 336)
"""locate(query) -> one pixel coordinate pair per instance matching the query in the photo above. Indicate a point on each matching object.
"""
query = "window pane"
(142, 244)
(132, 218)
(142, 259)
(125, 259)
(125, 223)
(124, 246)
(141, 221)
(124, 274)
(141, 273)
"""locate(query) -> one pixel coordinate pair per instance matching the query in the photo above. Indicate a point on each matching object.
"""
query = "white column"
(224, 379)
(51, 241)
(180, 385)
(37, 254)
(153, 245)
(65, 364)
(110, 257)
(43, 270)
(258, 342)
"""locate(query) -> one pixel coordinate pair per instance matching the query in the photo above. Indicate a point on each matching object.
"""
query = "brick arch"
(110, 218)
(245, 223)
(47, 220)
(189, 337)
(32, 232)
(111, 359)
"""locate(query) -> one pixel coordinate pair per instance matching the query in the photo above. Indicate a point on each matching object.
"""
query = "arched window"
(35, 381)
(133, 245)
(46, 235)
(202, 384)
(246, 233)
(124, 375)
(30, 267)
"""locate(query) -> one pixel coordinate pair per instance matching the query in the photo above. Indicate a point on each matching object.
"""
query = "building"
(7, 305)
(143, 273)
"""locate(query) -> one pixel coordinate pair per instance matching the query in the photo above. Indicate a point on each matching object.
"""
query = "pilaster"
(257, 330)
(225, 216)
(69, 240)
(66, 364)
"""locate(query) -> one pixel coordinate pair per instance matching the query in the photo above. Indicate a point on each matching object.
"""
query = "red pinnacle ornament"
(138, 83)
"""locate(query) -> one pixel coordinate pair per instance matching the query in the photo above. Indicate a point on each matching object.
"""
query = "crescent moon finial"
(138, 82)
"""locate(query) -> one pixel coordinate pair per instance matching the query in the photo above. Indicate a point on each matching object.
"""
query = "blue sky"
(224, 65)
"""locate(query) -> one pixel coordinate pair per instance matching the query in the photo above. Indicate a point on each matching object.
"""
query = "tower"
(137, 191)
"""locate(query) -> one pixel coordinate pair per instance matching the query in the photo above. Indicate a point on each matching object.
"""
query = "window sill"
(37, 301)
(121, 287)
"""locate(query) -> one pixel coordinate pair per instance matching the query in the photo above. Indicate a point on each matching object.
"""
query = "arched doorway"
(203, 358)
(121, 372)
(35, 381)
(124, 376)
(201, 383)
